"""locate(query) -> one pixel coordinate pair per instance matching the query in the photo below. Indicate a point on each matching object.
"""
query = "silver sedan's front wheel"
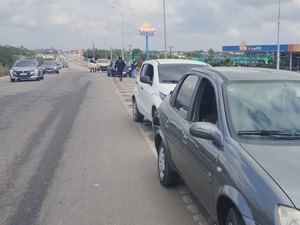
(167, 176)
(161, 163)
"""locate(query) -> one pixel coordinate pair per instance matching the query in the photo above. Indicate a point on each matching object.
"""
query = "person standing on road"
(120, 65)
(133, 66)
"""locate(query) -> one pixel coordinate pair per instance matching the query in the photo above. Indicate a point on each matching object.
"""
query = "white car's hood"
(166, 88)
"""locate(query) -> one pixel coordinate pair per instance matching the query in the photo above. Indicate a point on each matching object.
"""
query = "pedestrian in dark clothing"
(120, 65)
(133, 66)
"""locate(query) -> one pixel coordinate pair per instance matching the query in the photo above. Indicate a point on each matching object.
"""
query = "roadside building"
(249, 55)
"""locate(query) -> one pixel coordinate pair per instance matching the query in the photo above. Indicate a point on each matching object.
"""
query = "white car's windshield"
(172, 73)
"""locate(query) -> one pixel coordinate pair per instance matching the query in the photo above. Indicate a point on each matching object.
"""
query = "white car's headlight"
(288, 216)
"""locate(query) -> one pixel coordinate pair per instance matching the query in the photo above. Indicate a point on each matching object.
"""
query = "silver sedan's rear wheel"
(167, 176)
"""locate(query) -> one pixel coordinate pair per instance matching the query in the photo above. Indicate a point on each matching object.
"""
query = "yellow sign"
(243, 46)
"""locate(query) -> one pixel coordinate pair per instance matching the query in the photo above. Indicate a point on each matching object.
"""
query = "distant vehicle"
(92, 65)
(26, 69)
(233, 135)
(50, 66)
(102, 64)
(64, 64)
(127, 71)
(157, 78)
(111, 71)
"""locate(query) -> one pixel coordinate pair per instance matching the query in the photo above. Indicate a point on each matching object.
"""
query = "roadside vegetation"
(9, 54)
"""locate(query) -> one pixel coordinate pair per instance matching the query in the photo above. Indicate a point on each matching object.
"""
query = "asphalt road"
(70, 154)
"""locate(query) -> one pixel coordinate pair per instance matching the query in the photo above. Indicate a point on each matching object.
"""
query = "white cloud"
(191, 24)
(23, 20)
(61, 18)
(233, 33)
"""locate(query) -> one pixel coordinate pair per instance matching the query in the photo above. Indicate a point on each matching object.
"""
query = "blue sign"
(256, 48)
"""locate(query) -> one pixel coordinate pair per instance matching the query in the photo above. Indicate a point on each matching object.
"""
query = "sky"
(190, 24)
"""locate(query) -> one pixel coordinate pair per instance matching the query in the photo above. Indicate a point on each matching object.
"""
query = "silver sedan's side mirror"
(207, 131)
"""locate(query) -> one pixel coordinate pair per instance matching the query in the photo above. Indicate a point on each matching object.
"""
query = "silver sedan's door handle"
(184, 139)
(167, 123)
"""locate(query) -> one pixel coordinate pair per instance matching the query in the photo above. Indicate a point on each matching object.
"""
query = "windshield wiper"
(171, 81)
(268, 133)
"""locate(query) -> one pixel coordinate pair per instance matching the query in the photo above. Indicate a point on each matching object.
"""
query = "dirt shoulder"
(3, 71)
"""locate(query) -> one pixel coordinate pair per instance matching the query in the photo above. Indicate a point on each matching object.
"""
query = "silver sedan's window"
(185, 94)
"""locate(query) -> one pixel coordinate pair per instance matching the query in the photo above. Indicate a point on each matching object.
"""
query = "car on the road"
(102, 64)
(112, 71)
(64, 64)
(50, 66)
(92, 65)
(233, 135)
(26, 69)
(127, 71)
(157, 78)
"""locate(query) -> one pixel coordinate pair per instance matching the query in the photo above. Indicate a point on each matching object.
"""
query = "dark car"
(26, 69)
(233, 135)
(50, 66)
(127, 71)
(112, 71)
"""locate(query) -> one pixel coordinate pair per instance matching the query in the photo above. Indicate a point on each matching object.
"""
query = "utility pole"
(129, 49)
(170, 47)
(93, 51)
(278, 45)
(165, 30)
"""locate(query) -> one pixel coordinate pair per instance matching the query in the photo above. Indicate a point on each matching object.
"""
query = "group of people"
(120, 66)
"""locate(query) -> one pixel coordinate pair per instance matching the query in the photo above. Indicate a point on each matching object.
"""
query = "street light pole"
(278, 46)
(122, 35)
(122, 16)
(165, 31)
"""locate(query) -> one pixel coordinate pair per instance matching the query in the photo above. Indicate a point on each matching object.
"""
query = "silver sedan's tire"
(234, 218)
(167, 176)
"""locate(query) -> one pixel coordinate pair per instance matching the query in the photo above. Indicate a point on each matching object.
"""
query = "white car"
(92, 65)
(156, 79)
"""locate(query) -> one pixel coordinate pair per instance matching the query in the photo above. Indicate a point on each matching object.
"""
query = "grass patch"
(4, 71)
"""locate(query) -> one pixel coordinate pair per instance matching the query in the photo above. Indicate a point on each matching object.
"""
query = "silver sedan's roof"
(249, 73)
(174, 61)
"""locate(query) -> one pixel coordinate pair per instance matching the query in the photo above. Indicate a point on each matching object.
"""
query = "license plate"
(23, 74)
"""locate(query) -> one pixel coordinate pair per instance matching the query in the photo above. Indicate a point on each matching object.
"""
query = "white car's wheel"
(137, 116)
